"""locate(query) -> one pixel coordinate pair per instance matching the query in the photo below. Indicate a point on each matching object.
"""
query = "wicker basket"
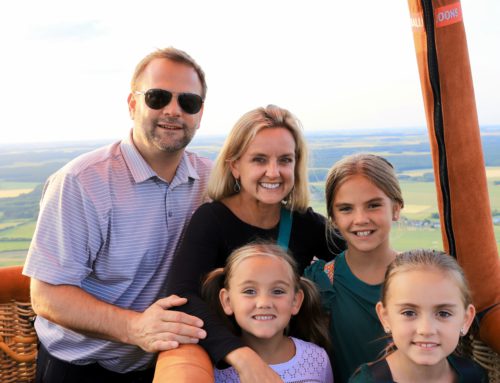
(472, 347)
(487, 358)
(18, 340)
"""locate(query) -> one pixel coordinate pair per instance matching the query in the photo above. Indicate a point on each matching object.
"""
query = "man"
(109, 225)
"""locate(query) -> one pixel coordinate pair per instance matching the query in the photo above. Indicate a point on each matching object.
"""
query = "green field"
(420, 199)
(402, 238)
(9, 185)
(5, 225)
(497, 236)
(15, 237)
(15, 189)
(12, 258)
(420, 203)
(407, 151)
(6, 246)
(22, 230)
(405, 238)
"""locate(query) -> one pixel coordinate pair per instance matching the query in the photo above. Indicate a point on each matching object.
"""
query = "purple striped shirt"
(110, 225)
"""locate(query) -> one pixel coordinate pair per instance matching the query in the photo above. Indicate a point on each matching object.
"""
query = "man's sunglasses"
(159, 98)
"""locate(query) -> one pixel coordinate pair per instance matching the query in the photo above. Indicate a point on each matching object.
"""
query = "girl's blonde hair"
(221, 182)
(310, 323)
(426, 259)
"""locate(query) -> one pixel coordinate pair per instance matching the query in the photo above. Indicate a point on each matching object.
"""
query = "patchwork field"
(15, 237)
(15, 189)
(12, 258)
(21, 180)
(13, 192)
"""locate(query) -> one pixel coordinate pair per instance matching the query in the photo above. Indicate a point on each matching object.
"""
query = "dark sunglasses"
(159, 98)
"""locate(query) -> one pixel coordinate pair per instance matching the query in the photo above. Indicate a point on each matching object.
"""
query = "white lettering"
(448, 15)
(417, 22)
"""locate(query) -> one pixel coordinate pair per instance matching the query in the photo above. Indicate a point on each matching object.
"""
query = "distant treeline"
(30, 173)
(28, 165)
(25, 206)
(36, 164)
(415, 158)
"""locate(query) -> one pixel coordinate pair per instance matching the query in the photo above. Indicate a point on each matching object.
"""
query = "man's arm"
(155, 329)
(203, 249)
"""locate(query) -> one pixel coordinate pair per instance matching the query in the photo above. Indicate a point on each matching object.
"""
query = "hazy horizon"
(335, 65)
(203, 134)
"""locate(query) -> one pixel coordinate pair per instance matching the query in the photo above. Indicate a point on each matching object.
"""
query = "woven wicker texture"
(487, 358)
(17, 335)
(472, 347)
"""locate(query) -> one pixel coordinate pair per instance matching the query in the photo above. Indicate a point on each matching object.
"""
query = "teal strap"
(285, 228)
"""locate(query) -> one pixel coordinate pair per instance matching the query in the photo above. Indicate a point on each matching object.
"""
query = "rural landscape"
(25, 167)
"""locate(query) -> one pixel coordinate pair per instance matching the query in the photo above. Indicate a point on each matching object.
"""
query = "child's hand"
(251, 368)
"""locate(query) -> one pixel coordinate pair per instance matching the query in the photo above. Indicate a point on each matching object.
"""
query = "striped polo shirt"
(109, 225)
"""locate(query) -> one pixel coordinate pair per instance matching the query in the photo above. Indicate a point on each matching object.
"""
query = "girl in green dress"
(363, 199)
(425, 307)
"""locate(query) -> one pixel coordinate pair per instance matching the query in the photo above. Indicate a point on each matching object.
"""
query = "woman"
(259, 190)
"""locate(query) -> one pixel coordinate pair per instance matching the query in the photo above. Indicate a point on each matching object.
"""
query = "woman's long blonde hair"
(221, 183)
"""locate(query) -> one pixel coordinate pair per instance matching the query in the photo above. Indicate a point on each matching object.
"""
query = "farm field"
(20, 230)
(21, 181)
(15, 189)
(12, 258)
(420, 197)
(402, 238)
(15, 241)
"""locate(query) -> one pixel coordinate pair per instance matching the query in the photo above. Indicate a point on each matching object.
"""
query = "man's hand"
(155, 329)
(250, 367)
(160, 329)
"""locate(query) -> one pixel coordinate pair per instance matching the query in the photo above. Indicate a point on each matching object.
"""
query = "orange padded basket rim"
(14, 285)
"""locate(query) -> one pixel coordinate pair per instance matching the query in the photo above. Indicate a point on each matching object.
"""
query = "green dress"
(467, 372)
(357, 335)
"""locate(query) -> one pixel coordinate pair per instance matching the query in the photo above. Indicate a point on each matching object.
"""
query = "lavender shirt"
(310, 364)
(109, 225)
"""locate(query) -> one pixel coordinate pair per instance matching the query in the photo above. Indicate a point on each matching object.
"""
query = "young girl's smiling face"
(426, 314)
(262, 296)
(363, 214)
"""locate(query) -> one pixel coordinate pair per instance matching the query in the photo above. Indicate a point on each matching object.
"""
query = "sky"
(337, 65)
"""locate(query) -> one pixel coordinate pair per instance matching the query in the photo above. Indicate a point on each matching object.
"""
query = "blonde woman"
(259, 190)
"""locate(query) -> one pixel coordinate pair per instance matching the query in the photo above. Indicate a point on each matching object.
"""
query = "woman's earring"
(236, 186)
(463, 332)
(387, 331)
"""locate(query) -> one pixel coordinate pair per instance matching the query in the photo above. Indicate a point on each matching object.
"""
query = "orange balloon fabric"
(459, 169)
(14, 285)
